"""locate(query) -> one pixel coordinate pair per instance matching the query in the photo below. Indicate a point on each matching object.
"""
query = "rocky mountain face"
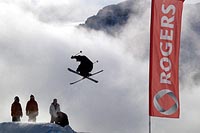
(111, 17)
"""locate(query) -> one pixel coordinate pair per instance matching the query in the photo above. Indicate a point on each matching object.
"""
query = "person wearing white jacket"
(54, 108)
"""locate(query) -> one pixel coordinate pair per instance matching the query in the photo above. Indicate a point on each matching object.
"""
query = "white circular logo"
(159, 95)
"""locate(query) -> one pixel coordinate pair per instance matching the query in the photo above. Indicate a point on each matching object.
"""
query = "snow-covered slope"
(10, 127)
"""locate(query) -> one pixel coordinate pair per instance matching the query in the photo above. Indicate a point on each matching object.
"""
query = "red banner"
(165, 32)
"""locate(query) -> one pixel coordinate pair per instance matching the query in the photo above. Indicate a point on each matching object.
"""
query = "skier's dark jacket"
(85, 66)
(16, 109)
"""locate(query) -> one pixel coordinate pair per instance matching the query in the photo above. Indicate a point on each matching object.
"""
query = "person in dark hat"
(32, 109)
(16, 110)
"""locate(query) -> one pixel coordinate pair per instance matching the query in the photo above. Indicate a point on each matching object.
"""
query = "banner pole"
(149, 124)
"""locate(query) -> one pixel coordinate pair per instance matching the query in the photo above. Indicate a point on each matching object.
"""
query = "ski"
(76, 81)
(96, 72)
(84, 77)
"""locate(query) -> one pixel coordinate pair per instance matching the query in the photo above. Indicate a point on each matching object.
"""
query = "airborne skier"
(85, 66)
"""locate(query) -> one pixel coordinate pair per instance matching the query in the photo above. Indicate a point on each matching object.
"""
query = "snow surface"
(11, 127)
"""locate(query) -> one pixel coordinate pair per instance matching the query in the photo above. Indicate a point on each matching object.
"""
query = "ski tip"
(71, 83)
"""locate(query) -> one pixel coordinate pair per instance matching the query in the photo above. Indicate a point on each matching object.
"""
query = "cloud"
(189, 53)
(34, 60)
(49, 11)
(35, 55)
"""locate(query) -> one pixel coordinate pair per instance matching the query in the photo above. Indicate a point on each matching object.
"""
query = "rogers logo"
(159, 95)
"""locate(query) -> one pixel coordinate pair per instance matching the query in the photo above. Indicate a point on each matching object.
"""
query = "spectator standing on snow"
(53, 109)
(32, 109)
(16, 110)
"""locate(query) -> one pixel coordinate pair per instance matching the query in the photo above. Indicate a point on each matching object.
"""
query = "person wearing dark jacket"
(16, 110)
(32, 109)
(86, 65)
(62, 119)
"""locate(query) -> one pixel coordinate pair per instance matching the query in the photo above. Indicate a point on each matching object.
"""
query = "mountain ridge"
(111, 17)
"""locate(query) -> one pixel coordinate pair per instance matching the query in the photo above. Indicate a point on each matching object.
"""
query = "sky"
(192, 1)
(37, 39)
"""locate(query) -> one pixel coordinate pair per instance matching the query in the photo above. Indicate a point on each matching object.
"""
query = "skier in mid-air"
(85, 66)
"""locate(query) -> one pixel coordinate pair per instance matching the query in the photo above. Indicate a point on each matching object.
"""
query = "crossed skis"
(83, 77)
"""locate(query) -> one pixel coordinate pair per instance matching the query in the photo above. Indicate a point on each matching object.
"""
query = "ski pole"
(75, 54)
(78, 53)
(95, 62)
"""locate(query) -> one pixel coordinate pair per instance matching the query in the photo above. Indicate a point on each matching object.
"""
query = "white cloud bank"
(35, 54)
